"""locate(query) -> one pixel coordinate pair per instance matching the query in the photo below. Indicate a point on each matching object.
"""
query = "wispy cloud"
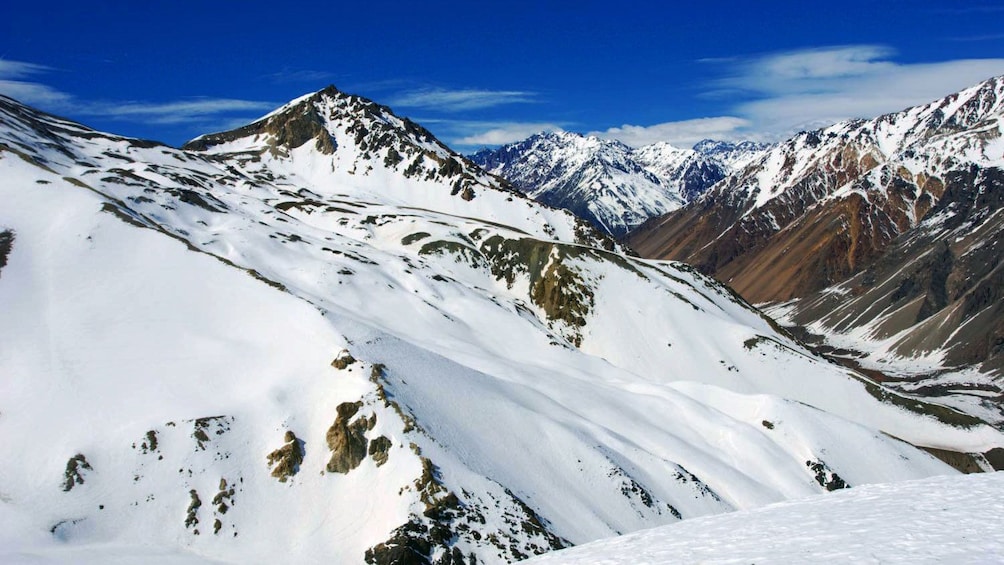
(502, 133)
(984, 37)
(182, 111)
(966, 10)
(13, 83)
(286, 76)
(794, 90)
(196, 110)
(466, 135)
(779, 94)
(684, 133)
(20, 69)
(446, 100)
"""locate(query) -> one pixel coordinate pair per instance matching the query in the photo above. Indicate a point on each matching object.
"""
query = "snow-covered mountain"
(886, 232)
(388, 158)
(939, 520)
(690, 172)
(611, 185)
(324, 336)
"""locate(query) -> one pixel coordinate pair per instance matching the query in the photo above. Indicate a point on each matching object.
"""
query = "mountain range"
(326, 336)
(879, 238)
(613, 186)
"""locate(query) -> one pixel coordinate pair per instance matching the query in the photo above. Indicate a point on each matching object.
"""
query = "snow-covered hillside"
(285, 346)
(615, 187)
(940, 520)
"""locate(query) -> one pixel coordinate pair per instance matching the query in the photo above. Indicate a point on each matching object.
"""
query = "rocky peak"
(314, 117)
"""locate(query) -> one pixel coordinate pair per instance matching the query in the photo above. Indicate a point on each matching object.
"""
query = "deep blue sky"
(479, 73)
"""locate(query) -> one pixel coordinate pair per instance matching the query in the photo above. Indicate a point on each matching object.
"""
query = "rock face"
(876, 227)
(74, 474)
(347, 441)
(614, 187)
(6, 242)
(937, 287)
(286, 460)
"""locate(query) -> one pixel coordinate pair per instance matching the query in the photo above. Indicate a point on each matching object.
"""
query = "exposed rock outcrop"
(347, 438)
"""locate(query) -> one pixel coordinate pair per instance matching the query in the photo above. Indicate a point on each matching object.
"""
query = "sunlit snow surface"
(940, 520)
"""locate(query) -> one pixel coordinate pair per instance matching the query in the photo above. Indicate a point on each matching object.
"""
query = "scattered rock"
(286, 460)
(223, 497)
(73, 475)
(192, 514)
(347, 441)
(826, 477)
(6, 242)
(343, 360)
(151, 442)
(380, 450)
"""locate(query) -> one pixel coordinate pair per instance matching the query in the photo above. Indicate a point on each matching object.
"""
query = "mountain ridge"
(613, 186)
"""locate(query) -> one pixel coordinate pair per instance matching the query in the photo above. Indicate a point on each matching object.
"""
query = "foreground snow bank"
(942, 519)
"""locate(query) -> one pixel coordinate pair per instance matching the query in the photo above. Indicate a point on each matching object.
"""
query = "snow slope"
(941, 520)
(225, 354)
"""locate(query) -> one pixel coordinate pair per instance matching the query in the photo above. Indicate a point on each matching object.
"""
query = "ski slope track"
(326, 337)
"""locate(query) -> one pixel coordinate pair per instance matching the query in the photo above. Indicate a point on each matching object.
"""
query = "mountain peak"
(309, 118)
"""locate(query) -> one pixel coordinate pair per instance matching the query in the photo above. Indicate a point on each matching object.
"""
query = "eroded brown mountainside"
(889, 228)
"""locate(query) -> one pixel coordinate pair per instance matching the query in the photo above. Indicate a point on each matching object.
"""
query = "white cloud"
(19, 69)
(29, 92)
(810, 68)
(36, 94)
(502, 133)
(459, 100)
(303, 75)
(683, 133)
(193, 110)
(783, 93)
(172, 112)
(806, 89)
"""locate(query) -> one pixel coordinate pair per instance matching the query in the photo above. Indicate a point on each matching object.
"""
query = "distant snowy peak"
(598, 180)
(535, 163)
(613, 186)
(690, 172)
(734, 155)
